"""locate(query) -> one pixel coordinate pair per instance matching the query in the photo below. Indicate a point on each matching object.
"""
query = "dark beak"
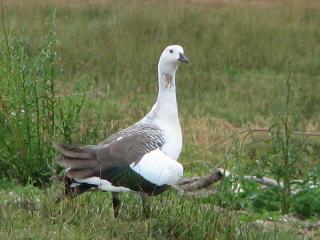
(183, 58)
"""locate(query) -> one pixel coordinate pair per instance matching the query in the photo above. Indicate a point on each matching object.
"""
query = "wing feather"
(119, 150)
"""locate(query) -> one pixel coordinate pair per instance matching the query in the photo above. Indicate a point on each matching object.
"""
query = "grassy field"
(77, 71)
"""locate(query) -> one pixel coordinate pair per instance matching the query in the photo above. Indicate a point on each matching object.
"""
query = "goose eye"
(171, 51)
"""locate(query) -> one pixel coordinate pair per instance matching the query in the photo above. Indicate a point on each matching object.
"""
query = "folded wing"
(89, 160)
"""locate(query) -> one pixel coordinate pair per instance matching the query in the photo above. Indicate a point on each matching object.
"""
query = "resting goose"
(141, 158)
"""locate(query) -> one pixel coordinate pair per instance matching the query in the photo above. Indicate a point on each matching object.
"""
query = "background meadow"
(78, 71)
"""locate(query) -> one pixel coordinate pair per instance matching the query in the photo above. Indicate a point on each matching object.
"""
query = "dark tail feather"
(77, 163)
(80, 173)
(77, 157)
(85, 152)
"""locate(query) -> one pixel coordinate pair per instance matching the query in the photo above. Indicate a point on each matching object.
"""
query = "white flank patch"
(74, 184)
(102, 184)
(158, 168)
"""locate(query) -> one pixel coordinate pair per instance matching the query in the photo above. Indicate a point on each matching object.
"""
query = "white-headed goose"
(141, 158)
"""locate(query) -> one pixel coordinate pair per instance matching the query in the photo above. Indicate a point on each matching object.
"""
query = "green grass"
(81, 71)
(29, 213)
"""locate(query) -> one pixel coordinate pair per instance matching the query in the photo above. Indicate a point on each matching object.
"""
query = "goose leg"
(116, 203)
(145, 204)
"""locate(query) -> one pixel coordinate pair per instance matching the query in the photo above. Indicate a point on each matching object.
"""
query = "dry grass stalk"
(264, 181)
(196, 183)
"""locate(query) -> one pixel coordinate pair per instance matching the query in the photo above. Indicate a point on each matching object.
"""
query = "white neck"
(165, 109)
(164, 113)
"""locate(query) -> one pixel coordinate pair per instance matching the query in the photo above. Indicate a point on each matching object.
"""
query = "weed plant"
(32, 114)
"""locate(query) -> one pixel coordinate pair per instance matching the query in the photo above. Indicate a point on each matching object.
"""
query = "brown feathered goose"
(141, 158)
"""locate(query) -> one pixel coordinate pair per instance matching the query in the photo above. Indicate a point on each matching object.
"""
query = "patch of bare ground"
(210, 132)
(205, 131)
